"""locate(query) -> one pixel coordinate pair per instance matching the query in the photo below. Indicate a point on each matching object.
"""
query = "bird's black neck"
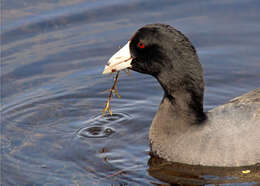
(186, 101)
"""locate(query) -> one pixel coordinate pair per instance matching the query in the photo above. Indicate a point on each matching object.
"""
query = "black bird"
(181, 131)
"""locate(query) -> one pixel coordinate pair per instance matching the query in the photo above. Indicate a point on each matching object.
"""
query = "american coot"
(181, 131)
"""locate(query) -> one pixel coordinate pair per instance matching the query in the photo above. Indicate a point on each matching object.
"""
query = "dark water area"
(53, 91)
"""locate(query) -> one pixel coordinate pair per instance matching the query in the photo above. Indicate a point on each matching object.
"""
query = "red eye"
(140, 45)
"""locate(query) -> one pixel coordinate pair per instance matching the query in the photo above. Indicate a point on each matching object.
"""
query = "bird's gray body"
(229, 137)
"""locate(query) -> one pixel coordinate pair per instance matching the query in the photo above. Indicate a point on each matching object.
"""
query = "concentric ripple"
(99, 125)
(96, 132)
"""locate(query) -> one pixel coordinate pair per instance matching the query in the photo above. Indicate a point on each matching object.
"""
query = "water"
(53, 90)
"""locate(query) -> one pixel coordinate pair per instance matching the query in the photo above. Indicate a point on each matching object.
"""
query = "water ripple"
(99, 128)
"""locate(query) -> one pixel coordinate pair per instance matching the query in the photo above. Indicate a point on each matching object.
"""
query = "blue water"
(53, 91)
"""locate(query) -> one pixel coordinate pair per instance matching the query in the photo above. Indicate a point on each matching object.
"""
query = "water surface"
(53, 90)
